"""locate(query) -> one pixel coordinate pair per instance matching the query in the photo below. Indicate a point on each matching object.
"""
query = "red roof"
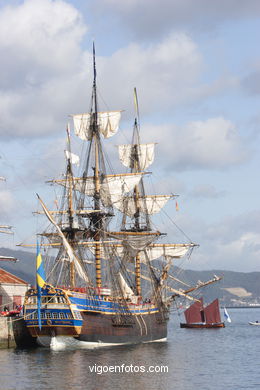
(7, 277)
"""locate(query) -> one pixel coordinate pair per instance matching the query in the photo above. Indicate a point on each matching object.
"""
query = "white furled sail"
(126, 290)
(127, 249)
(155, 251)
(145, 155)
(108, 123)
(112, 187)
(147, 205)
(144, 247)
(134, 244)
(74, 158)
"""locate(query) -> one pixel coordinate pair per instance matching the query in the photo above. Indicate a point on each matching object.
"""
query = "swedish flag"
(40, 281)
(40, 274)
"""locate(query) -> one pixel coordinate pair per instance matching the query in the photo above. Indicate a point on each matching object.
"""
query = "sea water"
(191, 359)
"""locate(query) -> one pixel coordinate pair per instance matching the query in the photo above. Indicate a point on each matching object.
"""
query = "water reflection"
(196, 360)
(72, 369)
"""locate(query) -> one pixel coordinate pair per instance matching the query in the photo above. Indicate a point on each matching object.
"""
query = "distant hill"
(235, 289)
(25, 266)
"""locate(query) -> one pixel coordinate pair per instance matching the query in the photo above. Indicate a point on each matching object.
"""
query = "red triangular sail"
(194, 313)
(212, 313)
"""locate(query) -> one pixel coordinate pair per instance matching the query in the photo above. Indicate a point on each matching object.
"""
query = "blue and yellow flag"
(40, 274)
(40, 281)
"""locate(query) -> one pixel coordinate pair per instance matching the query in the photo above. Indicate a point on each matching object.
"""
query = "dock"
(14, 334)
(6, 333)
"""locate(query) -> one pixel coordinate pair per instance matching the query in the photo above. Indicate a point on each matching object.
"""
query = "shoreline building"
(12, 290)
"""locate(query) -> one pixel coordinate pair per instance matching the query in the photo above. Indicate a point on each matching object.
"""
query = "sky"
(196, 67)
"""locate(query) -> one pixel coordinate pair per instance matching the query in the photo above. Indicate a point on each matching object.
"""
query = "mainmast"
(71, 232)
(97, 219)
(136, 143)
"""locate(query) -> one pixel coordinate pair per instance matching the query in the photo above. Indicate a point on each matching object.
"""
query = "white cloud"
(44, 40)
(211, 144)
(46, 73)
(164, 73)
(205, 191)
(7, 204)
(40, 58)
(251, 83)
(151, 19)
(241, 254)
(233, 243)
(46, 164)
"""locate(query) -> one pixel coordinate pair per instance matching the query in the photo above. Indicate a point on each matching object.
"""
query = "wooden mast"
(138, 274)
(97, 182)
(136, 197)
(70, 210)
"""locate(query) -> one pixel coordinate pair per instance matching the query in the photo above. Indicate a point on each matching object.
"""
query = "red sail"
(194, 313)
(211, 312)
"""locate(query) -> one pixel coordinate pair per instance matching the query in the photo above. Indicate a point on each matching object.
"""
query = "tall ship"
(111, 280)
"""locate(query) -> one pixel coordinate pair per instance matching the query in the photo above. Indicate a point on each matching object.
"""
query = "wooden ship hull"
(71, 315)
(144, 328)
(100, 329)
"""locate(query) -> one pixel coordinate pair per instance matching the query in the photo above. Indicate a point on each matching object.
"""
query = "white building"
(12, 290)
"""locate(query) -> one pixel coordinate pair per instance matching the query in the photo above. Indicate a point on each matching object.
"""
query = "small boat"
(198, 316)
(254, 323)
